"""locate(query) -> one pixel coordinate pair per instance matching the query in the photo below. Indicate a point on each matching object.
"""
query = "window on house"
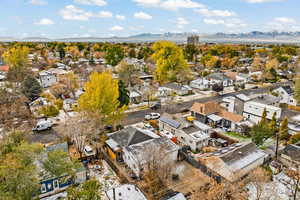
(43, 188)
(182, 138)
(249, 116)
(173, 131)
(55, 184)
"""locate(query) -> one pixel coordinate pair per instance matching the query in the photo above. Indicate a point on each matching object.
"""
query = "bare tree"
(221, 191)
(155, 165)
(294, 174)
(258, 179)
(79, 130)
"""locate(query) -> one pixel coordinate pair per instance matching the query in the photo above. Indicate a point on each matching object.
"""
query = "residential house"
(51, 185)
(200, 83)
(235, 161)
(190, 133)
(69, 104)
(119, 140)
(242, 78)
(235, 103)
(135, 97)
(125, 192)
(177, 88)
(266, 99)
(47, 79)
(290, 155)
(253, 111)
(294, 124)
(161, 149)
(219, 78)
(212, 113)
(286, 95)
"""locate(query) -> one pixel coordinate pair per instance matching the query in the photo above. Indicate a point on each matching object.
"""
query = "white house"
(47, 78)
(200, 83)
(286, 95)
(195, 135)
(242, 78)
(219, 78)
(253, 111)
(159, 149)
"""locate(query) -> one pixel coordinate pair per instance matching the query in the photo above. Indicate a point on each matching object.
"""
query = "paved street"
(138, 116)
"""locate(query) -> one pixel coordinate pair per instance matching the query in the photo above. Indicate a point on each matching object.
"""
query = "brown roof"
(230, 116)
(231, 75)
(4, 68)
(206, 108)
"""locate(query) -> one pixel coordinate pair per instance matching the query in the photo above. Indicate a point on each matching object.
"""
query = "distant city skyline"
(107, 18)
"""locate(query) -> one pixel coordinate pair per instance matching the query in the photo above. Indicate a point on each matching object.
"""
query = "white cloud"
(263, 1)
(181, 22)
(169, 4)
(91, 2)
(120, 17)
(147, 2)
(116, 28)
(285, 20)
(177, 4)
(45, 21)
(213, 21)
(215, 13)
(229, 23)
(38, 2)
(104, 14)
(71, 12)
(142, 15)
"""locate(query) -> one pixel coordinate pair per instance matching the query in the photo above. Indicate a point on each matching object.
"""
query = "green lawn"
(237, 136)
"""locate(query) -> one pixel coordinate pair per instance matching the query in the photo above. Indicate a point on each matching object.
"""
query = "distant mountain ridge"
(275, 36)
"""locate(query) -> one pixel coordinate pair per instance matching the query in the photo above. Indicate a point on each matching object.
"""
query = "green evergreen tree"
(31, 88)
(297, 90)
(123, 94)
(272, 124)
(284, 130)
(263, 120)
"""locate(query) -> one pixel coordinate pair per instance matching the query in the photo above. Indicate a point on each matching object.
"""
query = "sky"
(106, 18)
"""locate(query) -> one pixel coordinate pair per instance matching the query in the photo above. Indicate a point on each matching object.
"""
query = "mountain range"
(251, 37)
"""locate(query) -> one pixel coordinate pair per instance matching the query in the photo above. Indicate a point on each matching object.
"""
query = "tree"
(190, 52)
(294, 138)
(284, 129)
(21, 117)
(218, 87)
(18, 172)
(79, 130)
(70, 81)
(264, 120)
(89, 190)
(59, 164)
(17, 59)
(101, 97)
(297, 90)
(294, 174)
(61, 51)
(260, 133)
(258, 179)
(114, 54)
(170, 63)
(221, 191)
(31, 88)
(124, 98)
(273, 123)
(126, 72)
(132, 53)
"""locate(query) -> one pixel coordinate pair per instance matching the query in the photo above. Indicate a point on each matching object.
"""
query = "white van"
(43, 125)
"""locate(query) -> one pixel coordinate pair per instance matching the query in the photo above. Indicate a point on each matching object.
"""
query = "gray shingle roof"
(129, 136)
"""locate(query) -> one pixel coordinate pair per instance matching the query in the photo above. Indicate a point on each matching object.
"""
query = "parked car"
(152, 116)
(88, 150)
(156, 106)
(43, 125)
(149, 127)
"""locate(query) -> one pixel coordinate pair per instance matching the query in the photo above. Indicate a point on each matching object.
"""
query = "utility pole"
(276, 150)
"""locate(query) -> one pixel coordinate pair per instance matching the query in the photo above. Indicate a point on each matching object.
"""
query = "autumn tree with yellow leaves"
(101, 99)
(17, 59)
(170, 62)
